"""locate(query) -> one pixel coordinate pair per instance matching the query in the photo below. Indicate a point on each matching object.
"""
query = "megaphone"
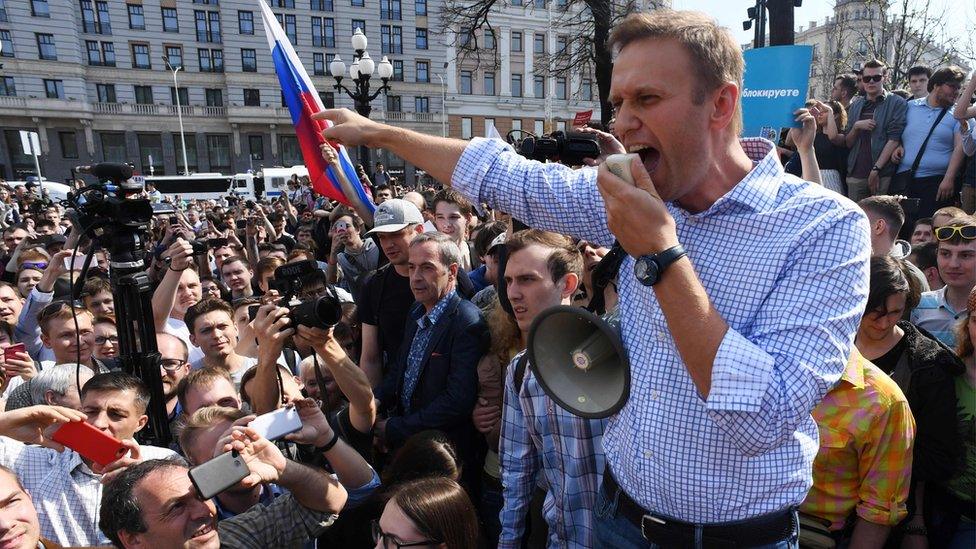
(579, 360)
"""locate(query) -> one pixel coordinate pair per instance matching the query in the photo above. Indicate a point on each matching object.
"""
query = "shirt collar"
(758, 190)
(854, 372)
(431, 318)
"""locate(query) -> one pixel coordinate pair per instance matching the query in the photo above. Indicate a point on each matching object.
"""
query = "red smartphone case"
(89, 442)
(18, 348)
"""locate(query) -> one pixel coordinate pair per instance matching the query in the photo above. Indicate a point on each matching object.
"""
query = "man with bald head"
(416, 199)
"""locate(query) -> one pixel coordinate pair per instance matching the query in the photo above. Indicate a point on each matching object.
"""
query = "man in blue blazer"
(434, 382)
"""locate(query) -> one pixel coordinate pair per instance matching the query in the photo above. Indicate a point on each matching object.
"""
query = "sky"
(961, 14)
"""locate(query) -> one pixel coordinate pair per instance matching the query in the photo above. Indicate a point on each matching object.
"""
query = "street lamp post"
(179, 112)
(360, 71)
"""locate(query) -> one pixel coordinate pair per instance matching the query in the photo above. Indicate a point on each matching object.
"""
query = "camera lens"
(321, 313)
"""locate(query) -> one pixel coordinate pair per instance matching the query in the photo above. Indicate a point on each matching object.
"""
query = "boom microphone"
(107, 170)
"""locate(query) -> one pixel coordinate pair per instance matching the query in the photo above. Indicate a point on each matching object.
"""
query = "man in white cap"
(386, 297)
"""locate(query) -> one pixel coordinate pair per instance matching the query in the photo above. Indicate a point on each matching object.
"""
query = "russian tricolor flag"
(303, 101)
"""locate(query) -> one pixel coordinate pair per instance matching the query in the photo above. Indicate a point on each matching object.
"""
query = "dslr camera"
(319, 312)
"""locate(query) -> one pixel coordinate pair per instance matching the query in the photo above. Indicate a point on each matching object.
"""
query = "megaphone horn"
(579, 360)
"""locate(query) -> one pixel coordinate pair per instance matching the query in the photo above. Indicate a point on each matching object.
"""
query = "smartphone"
(217, 242)
(74, 263)
(11, 351)
(173, 220)
(241, 224)
(220, 473)
(199, 247)
(276, 424)
(90, 442)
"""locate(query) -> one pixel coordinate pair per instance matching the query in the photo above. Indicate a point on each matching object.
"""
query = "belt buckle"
(652, 518)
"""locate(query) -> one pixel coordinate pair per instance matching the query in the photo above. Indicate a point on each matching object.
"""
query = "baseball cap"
(394, 215)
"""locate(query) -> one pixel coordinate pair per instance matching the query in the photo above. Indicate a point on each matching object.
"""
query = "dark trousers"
(925, 190)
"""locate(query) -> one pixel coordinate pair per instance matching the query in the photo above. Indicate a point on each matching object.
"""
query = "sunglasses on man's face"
(966, 232)
(872, 78)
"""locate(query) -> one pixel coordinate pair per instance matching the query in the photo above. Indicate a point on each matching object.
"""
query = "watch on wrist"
(875, 169)
(649, 268)
(328, 445)
(915, 531)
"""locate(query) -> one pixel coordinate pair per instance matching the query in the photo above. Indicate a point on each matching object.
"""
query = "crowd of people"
(802, 365)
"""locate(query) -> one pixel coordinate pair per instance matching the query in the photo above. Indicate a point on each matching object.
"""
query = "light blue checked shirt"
(425, 328)
(937, 317)
(540, 437)
(786, 265)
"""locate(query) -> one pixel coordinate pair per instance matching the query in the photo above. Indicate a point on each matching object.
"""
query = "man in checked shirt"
(537, 436)
(746, 290)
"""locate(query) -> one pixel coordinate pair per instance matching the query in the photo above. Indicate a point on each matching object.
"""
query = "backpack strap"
(519, 375)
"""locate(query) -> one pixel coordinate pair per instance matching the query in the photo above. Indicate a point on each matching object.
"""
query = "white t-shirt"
(177, 327)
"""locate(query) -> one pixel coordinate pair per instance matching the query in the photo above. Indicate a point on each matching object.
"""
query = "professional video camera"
(115, 215)
(569, 148)
(316, 312)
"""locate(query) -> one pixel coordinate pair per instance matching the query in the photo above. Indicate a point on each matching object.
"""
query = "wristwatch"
(875, 169)
(649, 268)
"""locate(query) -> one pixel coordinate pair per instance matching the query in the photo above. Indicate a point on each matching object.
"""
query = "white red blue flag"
(336, 182)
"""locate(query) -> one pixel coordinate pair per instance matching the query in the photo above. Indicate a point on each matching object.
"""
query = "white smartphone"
(74, 263)
(619, 165)
(276, 424)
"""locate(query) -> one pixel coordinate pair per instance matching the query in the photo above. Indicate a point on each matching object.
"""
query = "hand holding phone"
(218, 474)
(74, 263)
(278, 423)
(13, 350)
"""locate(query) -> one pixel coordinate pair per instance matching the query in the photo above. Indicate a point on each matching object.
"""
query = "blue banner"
(775, 85)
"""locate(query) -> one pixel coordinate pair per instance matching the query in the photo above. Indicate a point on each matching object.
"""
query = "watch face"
(646, 271)
(640, 269)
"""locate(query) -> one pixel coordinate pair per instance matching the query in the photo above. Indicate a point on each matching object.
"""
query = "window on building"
(54, 89)
(7, 86)
(208, 26)
(255, 146)
(291, 154)
(561, 88)
(113, 147)
(208, 2)
(517, 124)
(322, 5)
(137, 20)
(245, 22)
(391, 10)
(45, 46)
(106, 93)
(586, 90)
(94, 52)
(318, 64)
(420, 7)
(539, 86)
(151, 146)
(249, 60)
(489, 124)
(516, 41)
(69, 144)
(39, 8)
(108, 54)
(540, 3)
(466, 82)
(218, 151)
(328, 99)
(171, 22)
(562, 42)
(394, 103)
(489, 39)
(466, 128)
(215, 97)
(421, 104)
(516, 2)
(423, 71)
(144, 95)
(358, 24)
(140, 56)
(516, 85)
(252, 98)
(95, 18)
(323, 32)
(211, 60)
(6, 44)
(391, 39)
(191, 151)
(357, 3)
(174, 54)
(291, 28)
(489, 83)
(421, 39)
(466, 38)
(539, 45)
(285, 4)
(397, 70)
(3, 11)
(182, 98)
(538, 127)
(562, 3)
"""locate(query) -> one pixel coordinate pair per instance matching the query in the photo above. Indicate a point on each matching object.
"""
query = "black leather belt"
(670, 533)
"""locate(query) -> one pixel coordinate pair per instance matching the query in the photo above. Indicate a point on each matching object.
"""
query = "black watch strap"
(669, 256)
(328, 445)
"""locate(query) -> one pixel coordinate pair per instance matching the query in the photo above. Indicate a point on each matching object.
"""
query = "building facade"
(90, 77)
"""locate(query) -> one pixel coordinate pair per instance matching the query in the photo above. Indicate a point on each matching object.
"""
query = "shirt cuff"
(473, 166)
(741, 374)
(41, 297)
(356, 496)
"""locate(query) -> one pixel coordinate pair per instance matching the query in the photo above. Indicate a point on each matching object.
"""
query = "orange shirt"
(865, 458)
